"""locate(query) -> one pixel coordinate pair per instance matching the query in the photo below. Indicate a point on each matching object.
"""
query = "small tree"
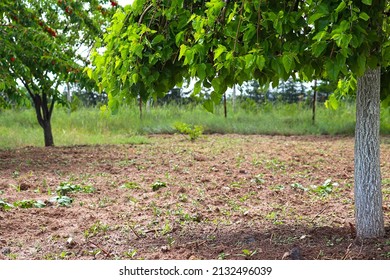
(41, 43)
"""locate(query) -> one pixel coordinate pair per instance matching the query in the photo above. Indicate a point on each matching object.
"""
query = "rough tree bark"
(368, 193)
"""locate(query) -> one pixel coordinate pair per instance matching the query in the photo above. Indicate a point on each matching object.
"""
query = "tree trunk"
(48, 134)
(313, 118)
(44, 113)
(368, 193)
(140, 107)
(234, 98)
(224, 105)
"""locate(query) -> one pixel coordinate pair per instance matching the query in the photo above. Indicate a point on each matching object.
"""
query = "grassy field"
(92, 126)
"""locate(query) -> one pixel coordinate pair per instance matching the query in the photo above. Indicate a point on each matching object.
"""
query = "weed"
(222, 256)
(237, 185)
(132, 199)
(95, 229)
(248, 253)
(297, 186)
(130, 186)
(12, 256)
(158, 185)
(386, 255)
(156, 210)
(15, 174)
(65, 188)
(170, 241)
(193, 131)
(29, 203)
(4, 205)
(64, 254)
(130, 254)
(283, 240)
(273, 216)
(277, 188)
(258, 179)
(325, 189)
(183, 197)
(105, 201)
(334, 241)
(62, 200)
(274, 165)
(16, 187)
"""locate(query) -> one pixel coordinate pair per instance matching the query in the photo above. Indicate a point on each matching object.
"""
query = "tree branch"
(144, 13)
(238, 27)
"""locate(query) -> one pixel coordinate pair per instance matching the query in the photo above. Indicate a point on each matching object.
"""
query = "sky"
(124, 2)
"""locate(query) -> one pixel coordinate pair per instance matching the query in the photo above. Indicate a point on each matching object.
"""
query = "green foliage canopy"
(41, 48)
(41, 40)
(152, 45)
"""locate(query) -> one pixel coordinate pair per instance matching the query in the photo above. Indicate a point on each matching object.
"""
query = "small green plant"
(170, 240)
(95, 229)
(386, 255)
(297, 186)
(222, 256)
(193, 131)
(158, 185)
(333, 241)
(130, 254)
(65, 188)
(15, 174)
(29, 203)
(166, 229)
(325, 189)
(258, 179)
(183, 197)
(273, 216)
(248, 253)
(62, 200)
(105, 201)
(130, 186)
(277, 188)
(4, 205)
(63, 255)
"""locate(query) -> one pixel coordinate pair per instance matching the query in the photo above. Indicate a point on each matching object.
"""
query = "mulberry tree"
(153, 45)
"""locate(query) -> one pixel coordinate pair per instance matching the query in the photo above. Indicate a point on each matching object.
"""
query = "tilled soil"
(219, 197)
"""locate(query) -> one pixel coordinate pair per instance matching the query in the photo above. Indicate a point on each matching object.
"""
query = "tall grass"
(91, 126)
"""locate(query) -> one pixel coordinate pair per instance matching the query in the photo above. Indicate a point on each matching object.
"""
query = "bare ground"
(220, 197)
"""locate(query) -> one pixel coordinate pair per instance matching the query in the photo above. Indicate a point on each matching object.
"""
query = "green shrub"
(193, 131)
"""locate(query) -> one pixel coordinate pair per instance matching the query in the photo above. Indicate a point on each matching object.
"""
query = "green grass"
(90, 126)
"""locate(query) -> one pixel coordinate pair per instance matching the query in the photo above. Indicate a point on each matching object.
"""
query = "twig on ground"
(135, 233)
(347, 252)
(319, 213)
(100, 247)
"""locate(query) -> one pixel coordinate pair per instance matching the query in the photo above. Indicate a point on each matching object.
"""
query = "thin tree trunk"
(68, 97)
(314, 102)
(224, 105)
(234, 98)
(368, 194)
(140, 107)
